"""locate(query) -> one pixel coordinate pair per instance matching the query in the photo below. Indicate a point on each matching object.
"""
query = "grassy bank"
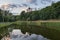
(50, 30)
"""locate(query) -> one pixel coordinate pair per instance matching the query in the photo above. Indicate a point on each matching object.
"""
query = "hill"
(48, 13)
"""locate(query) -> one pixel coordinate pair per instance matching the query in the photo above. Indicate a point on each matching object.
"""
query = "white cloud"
(17, 11)
(31, 1)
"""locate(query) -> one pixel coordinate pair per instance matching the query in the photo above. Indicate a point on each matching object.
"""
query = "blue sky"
(30, 3)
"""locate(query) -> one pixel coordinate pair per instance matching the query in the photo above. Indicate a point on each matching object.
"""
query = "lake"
(16, 34)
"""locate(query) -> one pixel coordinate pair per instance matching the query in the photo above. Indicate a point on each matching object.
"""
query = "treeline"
(6, 16)
(50, 12)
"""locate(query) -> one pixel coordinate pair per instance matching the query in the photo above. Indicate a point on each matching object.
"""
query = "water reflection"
(18, 35)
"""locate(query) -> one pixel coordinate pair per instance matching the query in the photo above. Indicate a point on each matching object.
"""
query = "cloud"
(31, 1)
(36, 1)
(46, 1)
(25, 5)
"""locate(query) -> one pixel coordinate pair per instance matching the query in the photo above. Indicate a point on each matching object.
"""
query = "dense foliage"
(6, 16)
(50, 12)
(50, 30)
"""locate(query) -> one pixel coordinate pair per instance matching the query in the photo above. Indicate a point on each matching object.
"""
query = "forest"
(48, 13)
(28, 22)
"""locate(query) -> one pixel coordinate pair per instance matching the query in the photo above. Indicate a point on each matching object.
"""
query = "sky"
(30, 3)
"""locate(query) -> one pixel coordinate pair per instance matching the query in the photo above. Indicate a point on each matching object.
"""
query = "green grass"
(5, 24)
(53, 25)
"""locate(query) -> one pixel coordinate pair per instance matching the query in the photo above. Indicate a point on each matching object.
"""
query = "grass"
(4, 24)
(53, 25)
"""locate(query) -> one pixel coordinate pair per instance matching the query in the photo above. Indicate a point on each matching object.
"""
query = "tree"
(22, 15)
